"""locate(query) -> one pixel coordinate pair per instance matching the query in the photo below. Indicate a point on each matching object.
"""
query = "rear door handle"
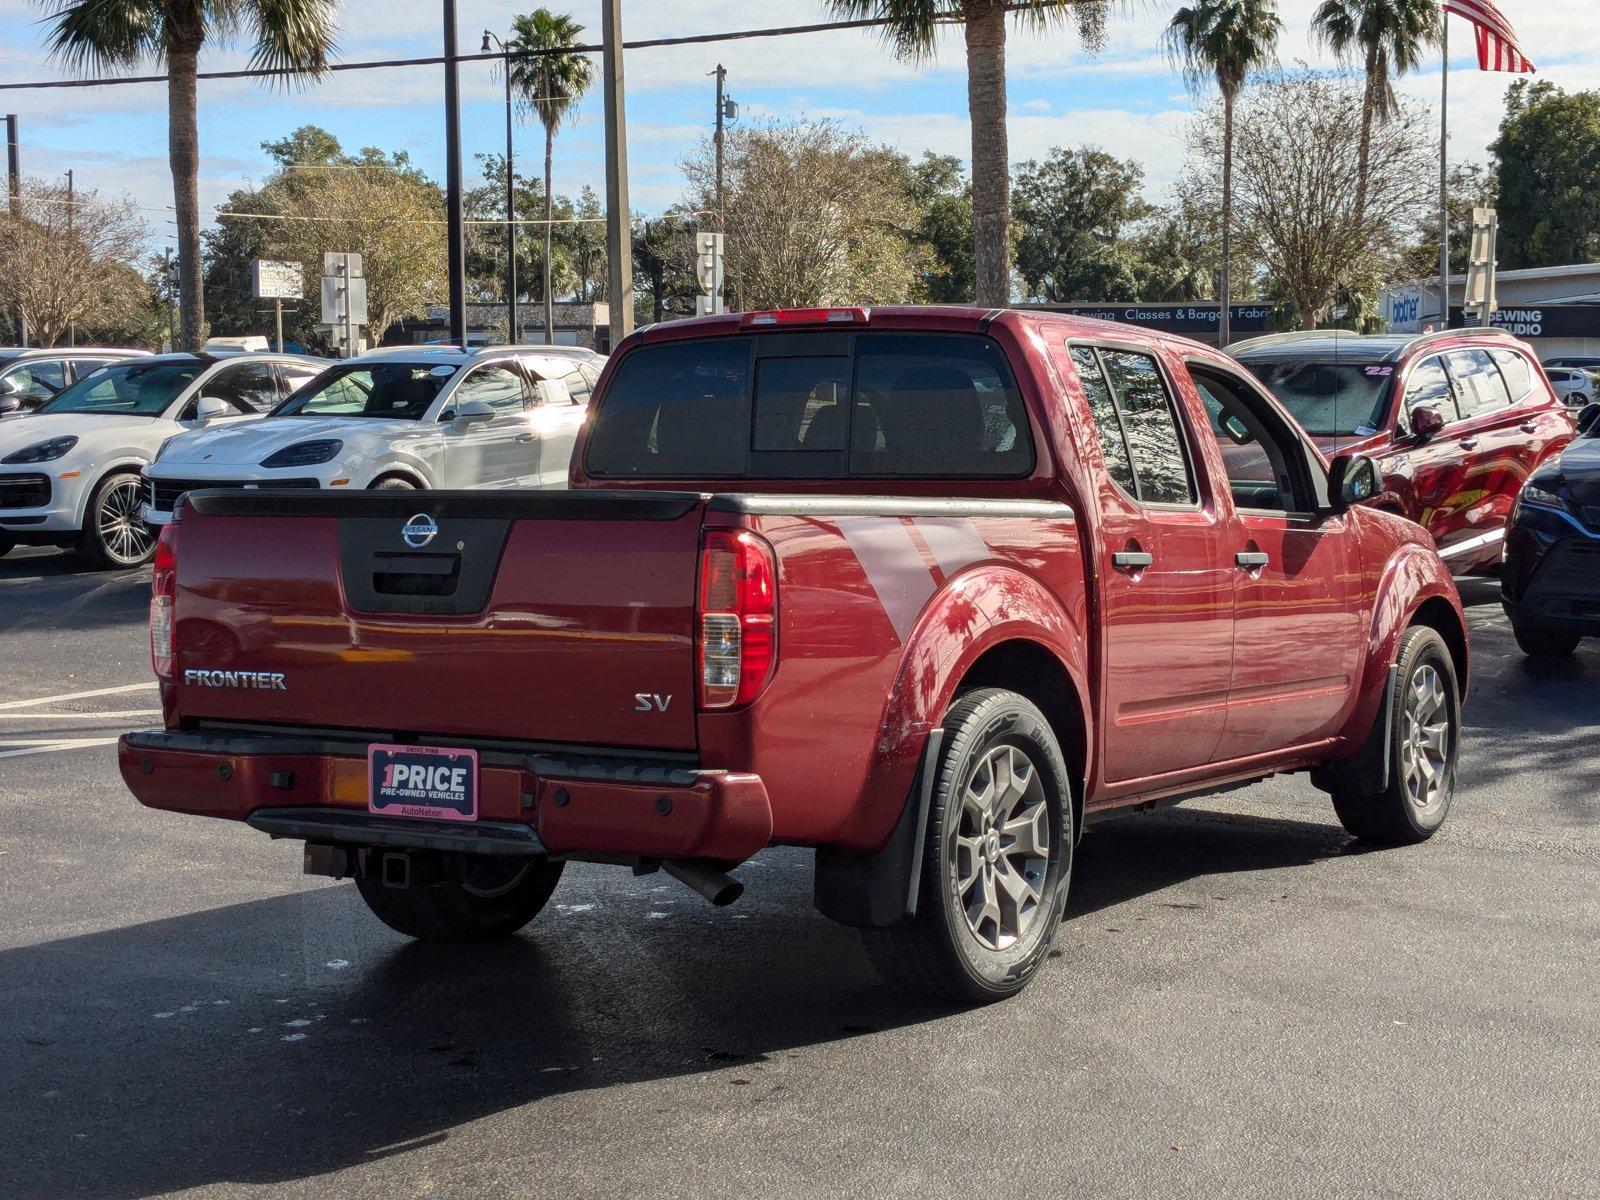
(1251, 559)
(1529, 426)
(1131, 560)
(1469, 443)
(527, 437)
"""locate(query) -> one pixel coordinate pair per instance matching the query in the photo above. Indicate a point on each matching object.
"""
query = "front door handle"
(1252, 559)
(527, 437)
(1131, 560)
(1469, 443)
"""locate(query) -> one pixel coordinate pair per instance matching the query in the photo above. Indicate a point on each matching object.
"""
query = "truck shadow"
(229, 1046)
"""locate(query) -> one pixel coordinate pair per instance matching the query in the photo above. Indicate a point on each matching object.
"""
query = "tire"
(114, 536)
(1016, 882)
(1424, 739)
(1545, 643)
(451, 911)
(393, 483)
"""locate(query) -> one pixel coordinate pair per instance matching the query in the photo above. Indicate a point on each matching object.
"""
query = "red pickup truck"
(924, 589)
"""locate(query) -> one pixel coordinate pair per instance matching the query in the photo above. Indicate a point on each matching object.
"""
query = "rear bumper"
(315, 788)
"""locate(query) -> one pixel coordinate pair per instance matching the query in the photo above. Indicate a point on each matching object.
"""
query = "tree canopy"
(1548, 156)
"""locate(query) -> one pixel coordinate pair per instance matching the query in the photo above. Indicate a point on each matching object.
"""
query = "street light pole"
(512, 335)
(722, 74)
(455, 230)
(619, 242)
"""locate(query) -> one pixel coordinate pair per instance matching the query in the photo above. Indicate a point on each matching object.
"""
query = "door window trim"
(1190, 459)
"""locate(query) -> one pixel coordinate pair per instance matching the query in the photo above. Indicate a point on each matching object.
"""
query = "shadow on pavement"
(217, 1046)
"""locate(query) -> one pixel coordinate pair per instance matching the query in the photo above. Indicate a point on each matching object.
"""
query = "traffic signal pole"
(455, 235)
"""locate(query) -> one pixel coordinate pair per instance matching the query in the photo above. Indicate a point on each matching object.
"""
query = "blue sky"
(1127, 100)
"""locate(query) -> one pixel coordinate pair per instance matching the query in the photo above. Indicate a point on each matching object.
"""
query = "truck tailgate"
(503, 615)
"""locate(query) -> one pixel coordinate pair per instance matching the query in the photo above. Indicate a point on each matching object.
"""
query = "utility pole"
(72, 326)
(455, 235)
(172, 316)
(511, 197)
(14, 185)
(722, 75)
(619, 243)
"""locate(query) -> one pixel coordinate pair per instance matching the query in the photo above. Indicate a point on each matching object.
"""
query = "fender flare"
(400, 466)
(122, 465)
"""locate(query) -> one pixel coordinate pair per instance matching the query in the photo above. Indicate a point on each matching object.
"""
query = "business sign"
(276, 280)
(1543, 321)
(1198, 318)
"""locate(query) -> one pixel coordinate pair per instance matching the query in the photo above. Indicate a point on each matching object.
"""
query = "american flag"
(1497, 41)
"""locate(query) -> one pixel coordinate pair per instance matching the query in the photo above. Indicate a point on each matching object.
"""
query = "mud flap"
(875, 890)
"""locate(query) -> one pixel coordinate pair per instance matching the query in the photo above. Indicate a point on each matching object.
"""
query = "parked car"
(1456, 421)
(924, 589)
(69, 473)
(28, 378)
(1572, 385)
(404, 418)
(1550, 584)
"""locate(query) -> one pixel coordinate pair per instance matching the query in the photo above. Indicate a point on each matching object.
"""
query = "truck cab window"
(1150, 425)
(1258, 454)
(1113, 446)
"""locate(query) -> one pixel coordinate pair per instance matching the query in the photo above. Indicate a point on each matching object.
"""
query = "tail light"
(163, 588)
(804, 316)
(738, 618)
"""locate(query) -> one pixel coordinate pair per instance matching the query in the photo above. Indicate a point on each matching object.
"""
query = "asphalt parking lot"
(1244, 1002)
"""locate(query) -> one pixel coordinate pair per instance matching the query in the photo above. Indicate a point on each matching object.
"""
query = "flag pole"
(1444, 170)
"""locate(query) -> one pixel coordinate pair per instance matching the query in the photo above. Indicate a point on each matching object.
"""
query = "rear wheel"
(1545, 643)
(1424, 737)
(114, 535)
(491, 899)
(996, 861)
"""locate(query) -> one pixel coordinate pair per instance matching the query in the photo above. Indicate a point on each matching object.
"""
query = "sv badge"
(650, 702)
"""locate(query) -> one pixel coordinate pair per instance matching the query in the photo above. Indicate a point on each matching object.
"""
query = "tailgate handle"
(415, 574)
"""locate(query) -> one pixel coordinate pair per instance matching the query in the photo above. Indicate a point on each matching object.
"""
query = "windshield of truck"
(813, 406)
(397, 391)
(136, 389)
(1328, 399)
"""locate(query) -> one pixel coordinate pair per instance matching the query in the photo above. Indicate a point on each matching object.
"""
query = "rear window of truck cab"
(813, 406)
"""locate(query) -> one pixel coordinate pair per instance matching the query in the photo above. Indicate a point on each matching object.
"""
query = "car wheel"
(1424, 739)
(996, 861)
(1545, 643)
(114, 535)
(493, 900)
(393, 483)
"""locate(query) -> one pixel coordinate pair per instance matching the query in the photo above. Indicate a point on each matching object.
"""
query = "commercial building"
(1555, 309)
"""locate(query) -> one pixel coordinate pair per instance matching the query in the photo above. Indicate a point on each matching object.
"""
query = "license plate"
(423, 781)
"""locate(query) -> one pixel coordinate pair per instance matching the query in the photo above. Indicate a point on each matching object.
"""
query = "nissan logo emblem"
(419, 531)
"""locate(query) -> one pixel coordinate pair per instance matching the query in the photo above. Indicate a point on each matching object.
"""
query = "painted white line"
(110, 691)
(82, 716)
(52, 747)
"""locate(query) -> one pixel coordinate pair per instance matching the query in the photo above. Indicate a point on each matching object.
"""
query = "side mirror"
(1354, 479)
(1586, 418)
(472, 412)
(1426, 422)
(208, 409)
(10, 404)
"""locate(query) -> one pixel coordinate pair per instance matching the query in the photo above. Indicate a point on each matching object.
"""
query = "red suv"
(1456, 421)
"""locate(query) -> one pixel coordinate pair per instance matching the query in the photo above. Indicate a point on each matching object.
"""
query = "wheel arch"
(400, 471)
(125, 465)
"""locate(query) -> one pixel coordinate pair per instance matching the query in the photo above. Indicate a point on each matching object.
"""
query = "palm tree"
(94, 37)
(1388, 36)
(1222, 41)
(550, 81)
(912, 30)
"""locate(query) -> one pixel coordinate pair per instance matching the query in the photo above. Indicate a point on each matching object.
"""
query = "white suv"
(69, 472)
(406, 417)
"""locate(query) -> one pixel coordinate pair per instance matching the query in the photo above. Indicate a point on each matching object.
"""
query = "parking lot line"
(17, 751)
(83, 716)
(110, 691)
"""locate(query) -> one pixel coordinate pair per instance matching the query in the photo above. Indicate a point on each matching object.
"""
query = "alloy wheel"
(1425, 737)
(123, 533)
(1002, 848)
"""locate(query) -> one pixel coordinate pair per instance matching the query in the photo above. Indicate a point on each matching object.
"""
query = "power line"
(697, 39)
(250, 216)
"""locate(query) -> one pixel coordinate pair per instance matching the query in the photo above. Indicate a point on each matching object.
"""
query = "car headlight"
(304, 454)
(1538, 497)
(41, 452)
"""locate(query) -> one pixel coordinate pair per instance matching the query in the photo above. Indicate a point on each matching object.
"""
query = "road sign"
(331, 263)
(333, 301)
(708, 271)
(276, 280)
(1479, 297)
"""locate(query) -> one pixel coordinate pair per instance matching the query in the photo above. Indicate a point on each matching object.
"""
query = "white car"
(405, 417)
(69, 472)
(1572, 385)
(29, 378)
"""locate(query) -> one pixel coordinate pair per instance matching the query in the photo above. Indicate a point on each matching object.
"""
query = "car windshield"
(1329, 399)
(137, 389)
(399, 391)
